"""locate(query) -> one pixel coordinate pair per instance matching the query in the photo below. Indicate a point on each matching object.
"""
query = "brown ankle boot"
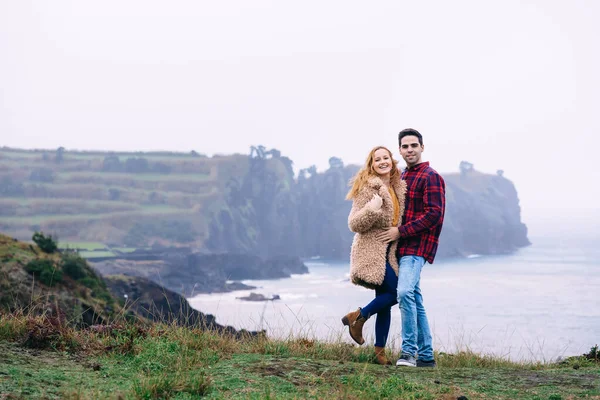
(380, 356)
(355, 323)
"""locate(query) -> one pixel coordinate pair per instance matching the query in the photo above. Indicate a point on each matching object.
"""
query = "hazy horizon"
(509, 86)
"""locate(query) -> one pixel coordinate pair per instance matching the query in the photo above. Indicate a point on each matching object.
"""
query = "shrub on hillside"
(45, 271)
(74, 266)
(114, 194)
(594, 354)
(44, 175)
(78, 269)
(11, 187)
(112, 163)
(160, 168)
(136, 165)
(46, 243)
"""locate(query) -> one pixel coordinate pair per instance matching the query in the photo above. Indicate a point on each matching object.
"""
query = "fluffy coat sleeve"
(362, 218)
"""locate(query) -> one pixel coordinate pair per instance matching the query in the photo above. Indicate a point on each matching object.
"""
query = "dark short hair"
(409, 132)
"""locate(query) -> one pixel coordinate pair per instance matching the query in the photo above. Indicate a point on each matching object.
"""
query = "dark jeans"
(385, 298)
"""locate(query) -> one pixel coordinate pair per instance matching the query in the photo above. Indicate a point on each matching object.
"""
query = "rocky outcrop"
(158, 304)
(259, 297)
(483, 216)
(191, 273)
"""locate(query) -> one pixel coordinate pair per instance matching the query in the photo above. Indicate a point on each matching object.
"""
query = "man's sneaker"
(406, 360)
(426, 364)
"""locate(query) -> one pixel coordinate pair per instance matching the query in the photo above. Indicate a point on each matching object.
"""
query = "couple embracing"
(397, 218)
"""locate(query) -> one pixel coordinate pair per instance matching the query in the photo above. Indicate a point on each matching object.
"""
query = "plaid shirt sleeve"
(433, 206)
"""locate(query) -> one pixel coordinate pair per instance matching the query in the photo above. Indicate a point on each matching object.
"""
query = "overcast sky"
(512, 85)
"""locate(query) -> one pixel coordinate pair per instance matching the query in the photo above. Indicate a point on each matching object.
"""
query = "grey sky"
(509, 84)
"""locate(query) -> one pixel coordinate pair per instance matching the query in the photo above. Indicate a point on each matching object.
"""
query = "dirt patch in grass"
(282, 367)
(533, 379)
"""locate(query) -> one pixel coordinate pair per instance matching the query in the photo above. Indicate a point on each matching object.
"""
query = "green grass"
(76, 205)
(26, 201)
(181, 363)
(159, 210)
(120, 176)
(90, 255)
(90, 246)
(77, 188)
(14, 153)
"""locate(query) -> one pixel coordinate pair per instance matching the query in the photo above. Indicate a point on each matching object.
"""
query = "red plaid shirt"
(424, 212)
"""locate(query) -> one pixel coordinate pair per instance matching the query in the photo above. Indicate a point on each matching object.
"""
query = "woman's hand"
(375, 203)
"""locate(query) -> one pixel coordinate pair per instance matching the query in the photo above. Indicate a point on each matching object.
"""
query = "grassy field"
(85, 246)
(115, 176)
(80, 199)
(91, 255)
(135, 362)
(39, 219)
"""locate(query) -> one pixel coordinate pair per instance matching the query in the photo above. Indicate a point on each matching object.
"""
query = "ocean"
(540, 303)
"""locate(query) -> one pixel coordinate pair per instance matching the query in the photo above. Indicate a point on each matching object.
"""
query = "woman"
(378, 195)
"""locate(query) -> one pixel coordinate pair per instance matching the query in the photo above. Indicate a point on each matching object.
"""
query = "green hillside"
(101, 196)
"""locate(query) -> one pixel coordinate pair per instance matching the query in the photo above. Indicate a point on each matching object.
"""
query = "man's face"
(411, 150)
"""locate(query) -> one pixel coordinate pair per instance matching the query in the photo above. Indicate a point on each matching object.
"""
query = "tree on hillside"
(335, 162)
(10, 187)
(59, 158)
(47, 243)
(114, 194)
(160, 168)
(274, 153)
(465, 167)
(45, 175)
(112, 163)
(257, 151)
(136, 165)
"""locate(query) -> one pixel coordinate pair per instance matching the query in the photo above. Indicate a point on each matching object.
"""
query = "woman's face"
(382, 162)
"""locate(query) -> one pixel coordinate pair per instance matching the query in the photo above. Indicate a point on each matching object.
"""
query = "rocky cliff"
(483, 216)
(270, 214)
(191, 273)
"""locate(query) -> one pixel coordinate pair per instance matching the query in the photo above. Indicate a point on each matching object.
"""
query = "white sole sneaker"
(405, 363)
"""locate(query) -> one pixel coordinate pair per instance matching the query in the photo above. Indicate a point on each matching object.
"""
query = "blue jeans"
(416, 336)
(385, 298)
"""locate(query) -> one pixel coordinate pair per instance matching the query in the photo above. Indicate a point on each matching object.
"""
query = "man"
(419, 236)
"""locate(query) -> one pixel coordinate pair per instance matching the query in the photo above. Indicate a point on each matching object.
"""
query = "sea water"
(540, 303)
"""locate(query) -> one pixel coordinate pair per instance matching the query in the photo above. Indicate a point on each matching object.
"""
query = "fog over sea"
(540, 303)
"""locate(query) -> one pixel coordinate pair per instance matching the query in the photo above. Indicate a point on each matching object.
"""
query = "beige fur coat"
(368, 255)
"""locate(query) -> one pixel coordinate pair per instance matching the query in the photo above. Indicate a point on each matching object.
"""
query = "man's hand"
(388, 235)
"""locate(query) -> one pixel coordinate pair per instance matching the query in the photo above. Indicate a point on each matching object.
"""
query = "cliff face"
(309, 217)
(483, 216)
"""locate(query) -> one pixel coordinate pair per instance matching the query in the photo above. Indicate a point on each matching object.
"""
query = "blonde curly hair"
(367, 171)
